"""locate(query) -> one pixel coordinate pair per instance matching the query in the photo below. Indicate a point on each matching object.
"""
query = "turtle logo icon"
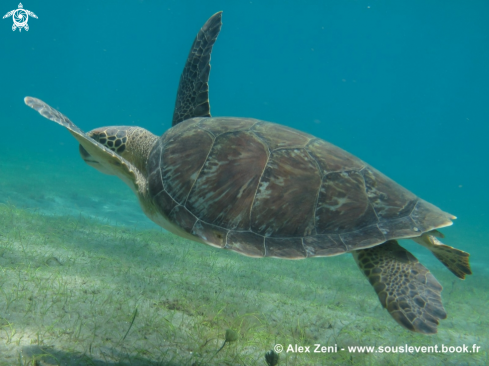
(20, 17)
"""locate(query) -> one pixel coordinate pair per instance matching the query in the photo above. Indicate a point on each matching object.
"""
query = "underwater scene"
(233, 241)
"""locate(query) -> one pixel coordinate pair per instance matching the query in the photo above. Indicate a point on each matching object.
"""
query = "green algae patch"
(74, 291)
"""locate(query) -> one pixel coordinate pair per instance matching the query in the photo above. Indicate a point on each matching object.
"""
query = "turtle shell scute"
(267, 190)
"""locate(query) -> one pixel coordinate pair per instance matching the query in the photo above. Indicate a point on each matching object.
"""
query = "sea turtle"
(20, 17)
(266, 190)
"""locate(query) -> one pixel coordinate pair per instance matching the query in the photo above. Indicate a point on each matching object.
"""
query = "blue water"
(402, 85)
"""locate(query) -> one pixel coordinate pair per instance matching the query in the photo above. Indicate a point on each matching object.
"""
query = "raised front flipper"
(99, 154)
(193, 90)
(405, 287)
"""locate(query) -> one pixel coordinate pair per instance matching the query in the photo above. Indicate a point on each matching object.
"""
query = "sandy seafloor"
(78, 258)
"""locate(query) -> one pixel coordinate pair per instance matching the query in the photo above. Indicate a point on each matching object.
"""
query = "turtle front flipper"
(193, 90)
(99, 154)
(405, 287)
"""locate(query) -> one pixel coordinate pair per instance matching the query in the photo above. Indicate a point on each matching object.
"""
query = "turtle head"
(132, 143)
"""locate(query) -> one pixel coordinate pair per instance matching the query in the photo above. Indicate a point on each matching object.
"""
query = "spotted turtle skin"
(267, 190)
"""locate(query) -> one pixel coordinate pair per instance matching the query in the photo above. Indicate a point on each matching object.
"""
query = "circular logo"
(278, 348)
(20, 18)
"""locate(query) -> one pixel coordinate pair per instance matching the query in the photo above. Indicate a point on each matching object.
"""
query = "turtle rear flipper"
(193, 90)
(112, 162)
(405, 287)
(457, 261)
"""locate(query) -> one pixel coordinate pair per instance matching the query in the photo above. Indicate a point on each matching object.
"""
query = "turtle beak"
(89, 160)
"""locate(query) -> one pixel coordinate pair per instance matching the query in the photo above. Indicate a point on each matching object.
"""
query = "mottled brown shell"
(264, 189)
